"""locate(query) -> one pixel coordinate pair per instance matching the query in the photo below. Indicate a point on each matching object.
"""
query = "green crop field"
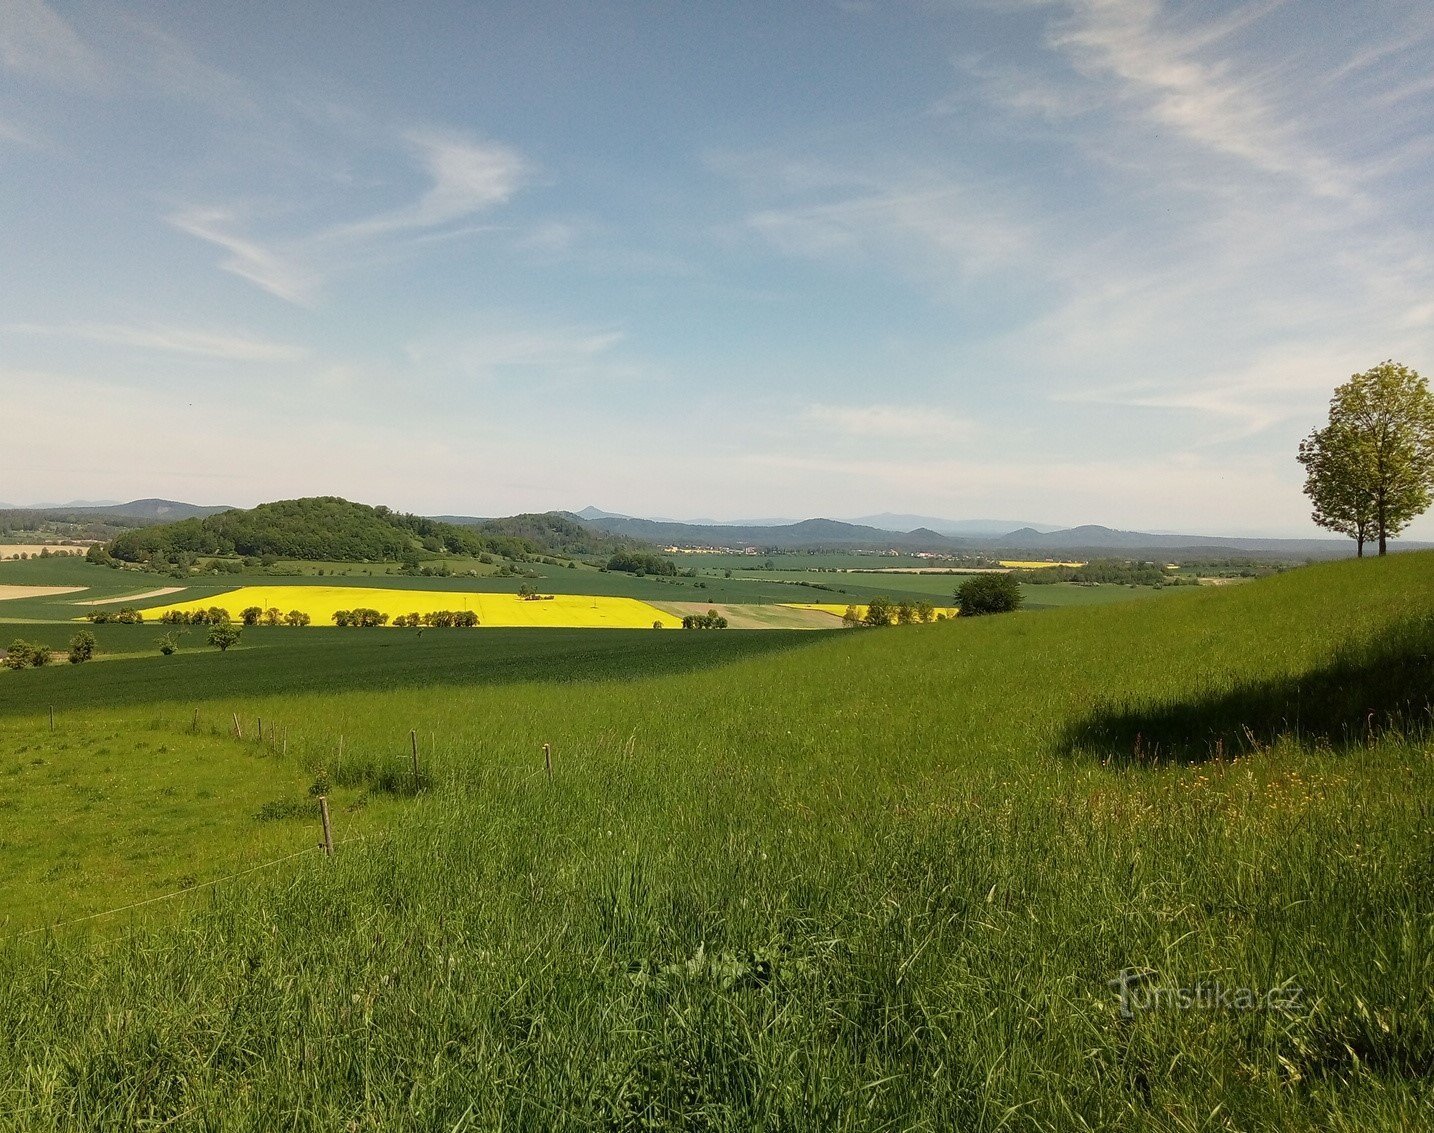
(711, 587)
(875, 879)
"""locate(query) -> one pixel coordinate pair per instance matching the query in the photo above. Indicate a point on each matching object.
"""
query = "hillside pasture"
(881, 881)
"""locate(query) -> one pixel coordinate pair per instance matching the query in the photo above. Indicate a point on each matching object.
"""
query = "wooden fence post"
(328, 842)
(52, 717)
(413, 741)
(548, 760)
(238, 727)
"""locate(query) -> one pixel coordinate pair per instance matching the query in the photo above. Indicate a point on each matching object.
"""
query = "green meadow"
(875, 879)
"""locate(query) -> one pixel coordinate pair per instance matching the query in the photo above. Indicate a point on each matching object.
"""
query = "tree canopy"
(1370, 471)
(332, 529)
(991, 593)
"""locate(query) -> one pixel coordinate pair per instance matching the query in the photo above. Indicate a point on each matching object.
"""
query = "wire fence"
(181, 892)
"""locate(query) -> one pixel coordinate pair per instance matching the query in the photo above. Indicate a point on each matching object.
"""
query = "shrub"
(82, 647)
(989, 594)
(19, 655)
(879, 612)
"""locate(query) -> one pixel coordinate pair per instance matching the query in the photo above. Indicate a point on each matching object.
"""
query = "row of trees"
(1370, 471)
(126, 615)
(366, 618)
(24, 654)
(710, 620)
(884, 612)
(992, 593)
(641, 562)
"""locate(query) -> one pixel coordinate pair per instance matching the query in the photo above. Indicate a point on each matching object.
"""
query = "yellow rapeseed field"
(837, 610)
(1014, 565)
(574, 611)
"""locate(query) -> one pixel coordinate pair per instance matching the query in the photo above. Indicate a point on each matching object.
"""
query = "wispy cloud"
(888, 422)
(35, 41)
(505, 345)
(465, 177)
(1163, 74)
(173, 340)
(922, 221)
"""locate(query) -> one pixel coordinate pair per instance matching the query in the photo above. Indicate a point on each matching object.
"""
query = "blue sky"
(1086, 261)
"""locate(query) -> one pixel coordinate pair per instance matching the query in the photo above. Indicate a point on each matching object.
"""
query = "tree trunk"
(1359, 546)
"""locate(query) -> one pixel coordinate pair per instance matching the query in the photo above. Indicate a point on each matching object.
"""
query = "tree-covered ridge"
(333, 529)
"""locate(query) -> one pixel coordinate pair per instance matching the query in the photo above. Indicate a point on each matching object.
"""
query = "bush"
(82, 647)
(879, 612)
(19, 655)
(989, 594)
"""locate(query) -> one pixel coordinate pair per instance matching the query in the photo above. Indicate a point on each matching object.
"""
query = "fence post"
(52, 717)
(413, 742)
(548, 760)
(328, 842)
(238, 727)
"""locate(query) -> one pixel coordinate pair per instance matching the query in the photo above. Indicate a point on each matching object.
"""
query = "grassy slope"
(877, 882)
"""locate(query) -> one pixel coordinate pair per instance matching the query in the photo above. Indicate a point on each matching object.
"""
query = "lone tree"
(992, 593)
(223, 635)
(1370, 471)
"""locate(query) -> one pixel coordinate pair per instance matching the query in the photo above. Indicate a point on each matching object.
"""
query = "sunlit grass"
(878, 882)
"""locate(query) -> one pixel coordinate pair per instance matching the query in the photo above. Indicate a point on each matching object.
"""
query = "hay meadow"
(867, 879)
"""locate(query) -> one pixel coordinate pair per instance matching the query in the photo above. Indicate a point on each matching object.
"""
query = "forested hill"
(333, 529)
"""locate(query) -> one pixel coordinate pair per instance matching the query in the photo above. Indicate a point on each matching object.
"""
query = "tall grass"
(878, 883)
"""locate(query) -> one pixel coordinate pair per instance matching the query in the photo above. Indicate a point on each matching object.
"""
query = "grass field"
(880, 881)
(745, 588)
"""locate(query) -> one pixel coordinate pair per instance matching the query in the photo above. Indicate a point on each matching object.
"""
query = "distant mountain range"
(883, 532)
(156, 511)
(886, 521)
(1089, 540)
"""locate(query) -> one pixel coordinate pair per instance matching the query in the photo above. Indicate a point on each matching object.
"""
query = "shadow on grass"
(1368, 689)
(275, 661)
